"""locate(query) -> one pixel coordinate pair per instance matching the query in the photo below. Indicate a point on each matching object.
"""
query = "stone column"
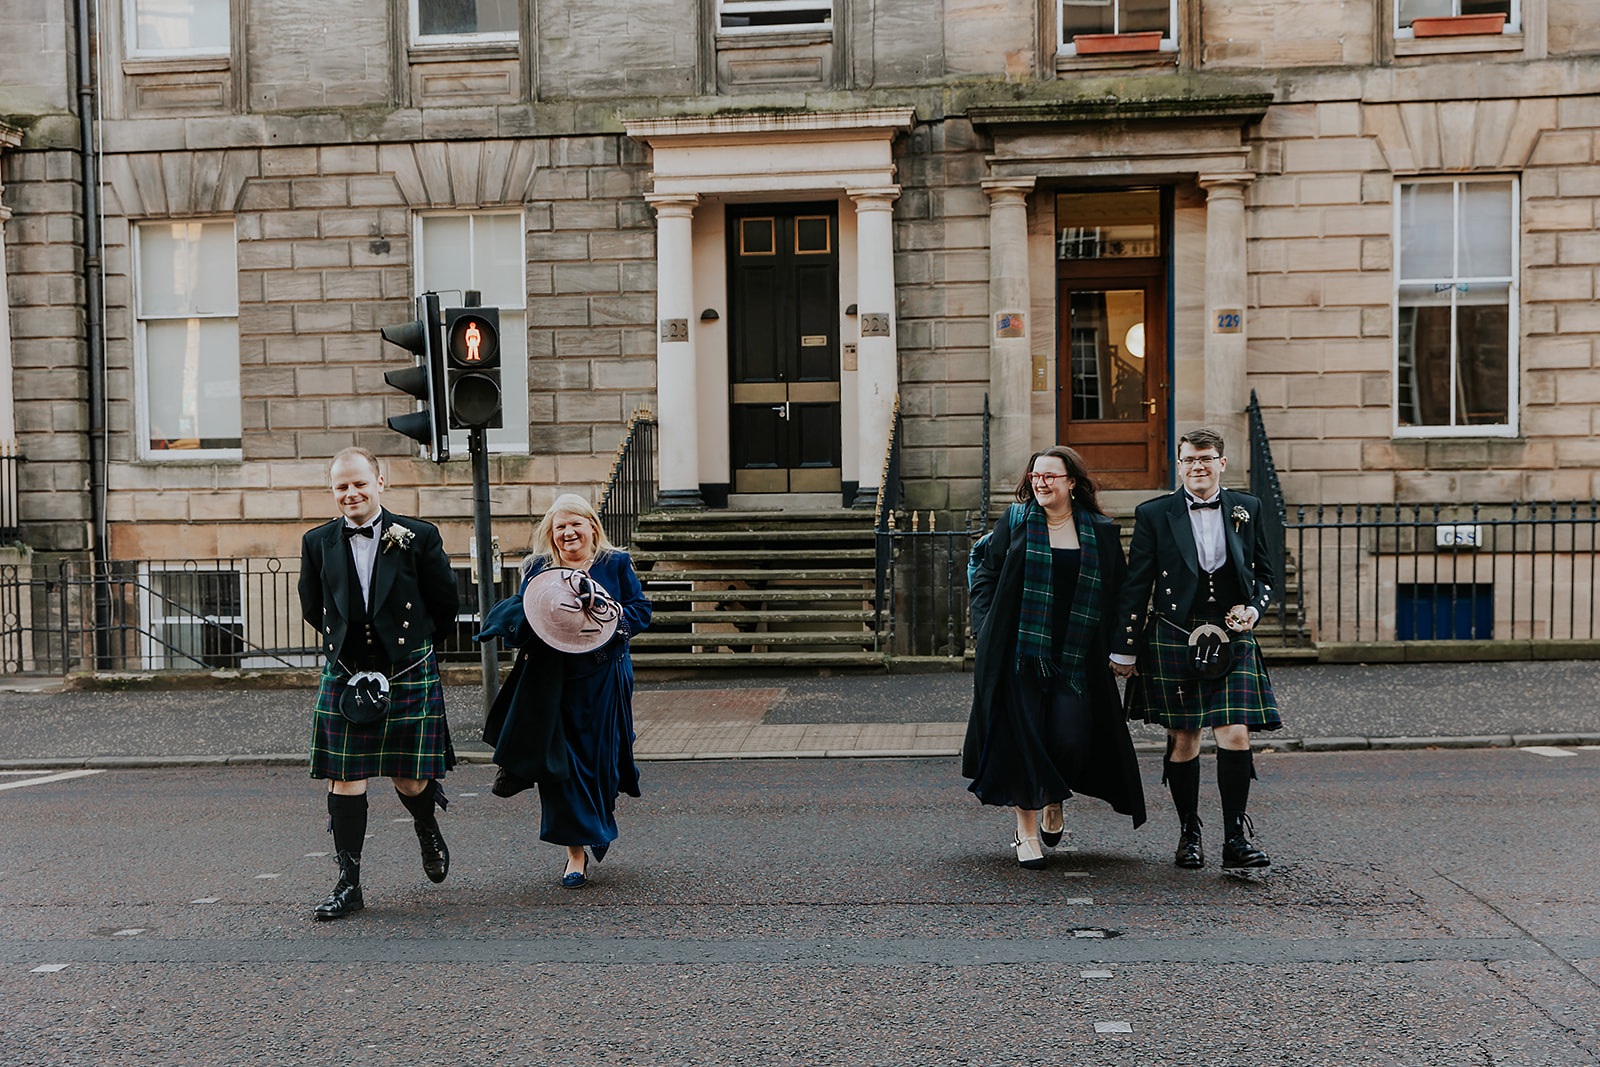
(677, 414)
(9, 138)
(1010, 339)
(877, 363)
(1227, 394)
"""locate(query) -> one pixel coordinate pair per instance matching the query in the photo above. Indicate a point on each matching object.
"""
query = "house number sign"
(1228, 320)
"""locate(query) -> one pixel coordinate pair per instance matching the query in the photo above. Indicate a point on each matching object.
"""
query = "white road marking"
(62, 777)
(266, 876)
(403, 818)
(1094, 974)
(1075, 874)
(466, 794)
(23, 772)
(315, 855)
(205, 900)
(132, 931)
(1537, 750)
(1113, 1028)
(49, 968)
(1088, 933)
(1080, 900)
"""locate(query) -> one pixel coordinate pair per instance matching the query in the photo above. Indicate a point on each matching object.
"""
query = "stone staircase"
(757, 589)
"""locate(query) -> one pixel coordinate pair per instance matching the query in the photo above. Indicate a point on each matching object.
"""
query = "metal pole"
(478, 446)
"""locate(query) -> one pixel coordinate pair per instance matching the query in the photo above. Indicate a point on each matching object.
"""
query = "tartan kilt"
(1166, 693)
(412, 741)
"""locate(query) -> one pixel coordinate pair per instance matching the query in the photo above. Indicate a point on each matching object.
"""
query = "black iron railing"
(631, 489)
(883, 524)
(983, 502)
(1265, 487)
(10, 467)
(924, 590)
(1387, 572)
(189, 614)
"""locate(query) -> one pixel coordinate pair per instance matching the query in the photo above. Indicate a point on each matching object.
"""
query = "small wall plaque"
(1010, 324)
(1227, 320)
(874, 324)
(848, 357)
(674, 329)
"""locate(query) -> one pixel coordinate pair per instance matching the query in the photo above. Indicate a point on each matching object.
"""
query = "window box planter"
(1458, 25)
(1095, 44)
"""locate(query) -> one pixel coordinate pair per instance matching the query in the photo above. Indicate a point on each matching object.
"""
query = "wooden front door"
(783, 348)
(1112, 399)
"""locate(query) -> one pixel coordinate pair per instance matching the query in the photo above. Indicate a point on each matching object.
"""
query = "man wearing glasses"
(1199, 556)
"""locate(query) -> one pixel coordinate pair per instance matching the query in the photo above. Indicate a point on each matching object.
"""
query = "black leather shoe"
(1237, 851)
(1190, 855)
(507, 784)
(346, 895)
(435, 854)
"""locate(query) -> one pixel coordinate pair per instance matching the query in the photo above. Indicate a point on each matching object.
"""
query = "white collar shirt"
(1210, 539)
(364, 551)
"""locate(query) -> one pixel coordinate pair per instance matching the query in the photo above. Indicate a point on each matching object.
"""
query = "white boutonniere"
(397, 535)
(1240, 517)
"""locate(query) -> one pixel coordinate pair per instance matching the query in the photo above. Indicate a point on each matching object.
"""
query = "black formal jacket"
(1113, 773)
(413, 588)
(1163, 561)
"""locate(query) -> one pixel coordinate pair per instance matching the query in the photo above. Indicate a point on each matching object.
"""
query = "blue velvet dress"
(596, 711)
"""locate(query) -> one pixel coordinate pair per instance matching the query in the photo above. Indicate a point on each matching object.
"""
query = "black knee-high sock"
(422, 804)
(1235, 769)
(347, 819)
(1183, 779)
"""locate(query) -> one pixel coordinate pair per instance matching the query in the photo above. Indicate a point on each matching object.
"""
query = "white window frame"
(1065, 47)
(150, 619)
(141, 356)
(1513, 20)
(750, 7)
(417, 37)
(511, 419)
(1513, 312)
(130, 26)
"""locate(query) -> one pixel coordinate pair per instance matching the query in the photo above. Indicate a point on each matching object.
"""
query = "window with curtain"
(1405, 11)
(1456, 300)
(177, 27)
(187, 337)
(1116, 16)
(442, 21)
(485, 251)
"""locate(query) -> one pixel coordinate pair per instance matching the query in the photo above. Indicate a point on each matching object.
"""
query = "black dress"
(1042, 736)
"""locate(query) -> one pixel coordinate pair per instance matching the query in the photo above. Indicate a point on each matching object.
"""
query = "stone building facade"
(766, 222)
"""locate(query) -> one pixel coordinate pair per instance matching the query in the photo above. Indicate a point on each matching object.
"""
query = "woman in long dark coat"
(564, 720)
(1046, 719)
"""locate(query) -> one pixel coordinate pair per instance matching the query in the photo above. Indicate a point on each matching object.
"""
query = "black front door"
(783, 330)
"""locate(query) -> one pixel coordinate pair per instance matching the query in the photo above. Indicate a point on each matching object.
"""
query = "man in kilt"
(1202, 553)
(376, 586)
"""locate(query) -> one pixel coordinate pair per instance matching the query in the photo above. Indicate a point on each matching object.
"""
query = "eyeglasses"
(1199, 461)
(1045, 479)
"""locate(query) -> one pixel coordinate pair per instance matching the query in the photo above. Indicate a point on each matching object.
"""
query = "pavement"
(1325, 707)
(1424, 909)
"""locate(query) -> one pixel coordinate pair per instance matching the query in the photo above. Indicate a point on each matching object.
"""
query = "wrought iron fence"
(1444, 572)
(212, 614)
(883, 524)
(631, 489)
(924, 588)
(1264, 487)
(10, 465)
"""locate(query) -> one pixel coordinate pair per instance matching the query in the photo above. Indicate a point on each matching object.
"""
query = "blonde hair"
(352, 452)
(544, 543)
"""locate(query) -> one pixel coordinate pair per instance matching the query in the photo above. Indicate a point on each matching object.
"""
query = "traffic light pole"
(478, 446)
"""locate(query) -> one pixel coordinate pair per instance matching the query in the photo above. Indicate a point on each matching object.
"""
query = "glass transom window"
(177, 27)
(1456, 307)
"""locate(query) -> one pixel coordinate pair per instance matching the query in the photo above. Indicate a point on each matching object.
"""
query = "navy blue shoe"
(576, 879)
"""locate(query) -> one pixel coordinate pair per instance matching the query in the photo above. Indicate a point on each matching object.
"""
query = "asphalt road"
(1425, 908)
(1412, 700)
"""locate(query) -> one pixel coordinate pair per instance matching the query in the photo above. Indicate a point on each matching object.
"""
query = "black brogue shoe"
(1237, 851)
(435, 854)
(1190, 855)
(346, 895)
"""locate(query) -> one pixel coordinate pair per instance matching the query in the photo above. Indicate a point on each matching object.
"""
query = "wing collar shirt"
(364, 551)
(1210, 540)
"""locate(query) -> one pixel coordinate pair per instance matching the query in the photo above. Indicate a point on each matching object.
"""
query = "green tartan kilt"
(412, 741)
(1165, 691)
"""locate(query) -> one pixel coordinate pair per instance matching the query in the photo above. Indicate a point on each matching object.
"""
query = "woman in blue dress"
(564, 720)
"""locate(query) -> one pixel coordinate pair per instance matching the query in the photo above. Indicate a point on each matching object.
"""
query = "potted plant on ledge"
(1459, 25)
(1093, 44)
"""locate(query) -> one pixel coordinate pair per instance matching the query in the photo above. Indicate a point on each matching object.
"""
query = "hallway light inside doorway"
(1134, 341)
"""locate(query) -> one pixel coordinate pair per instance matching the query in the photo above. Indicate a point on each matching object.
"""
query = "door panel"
(783, 283)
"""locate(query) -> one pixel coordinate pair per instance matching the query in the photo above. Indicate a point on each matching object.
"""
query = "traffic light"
(472, 367)
(425, 381)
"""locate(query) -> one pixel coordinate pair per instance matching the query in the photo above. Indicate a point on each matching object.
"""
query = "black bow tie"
(357, 531)
(1202, 505)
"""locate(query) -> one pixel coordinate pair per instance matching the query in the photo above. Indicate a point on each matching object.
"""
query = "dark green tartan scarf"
(1038, 600)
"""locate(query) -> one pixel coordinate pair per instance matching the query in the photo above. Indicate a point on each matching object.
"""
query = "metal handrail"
(631, 487)
(888, 500)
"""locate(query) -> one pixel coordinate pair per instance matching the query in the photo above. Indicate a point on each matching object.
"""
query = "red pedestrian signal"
(472, 345)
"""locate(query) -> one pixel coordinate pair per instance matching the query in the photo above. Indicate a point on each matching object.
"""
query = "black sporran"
(365, 698)
(1210, 651)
